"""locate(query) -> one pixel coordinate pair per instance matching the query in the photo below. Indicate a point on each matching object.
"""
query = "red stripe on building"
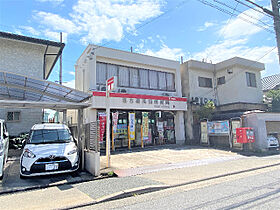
(127, 95)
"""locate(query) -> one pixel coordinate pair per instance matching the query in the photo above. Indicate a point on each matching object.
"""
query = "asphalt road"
(257, 191)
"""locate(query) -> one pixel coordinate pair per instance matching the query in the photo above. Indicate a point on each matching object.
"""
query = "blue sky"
(163, 28)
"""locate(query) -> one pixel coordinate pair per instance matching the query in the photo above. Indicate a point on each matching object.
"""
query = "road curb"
(153, 188)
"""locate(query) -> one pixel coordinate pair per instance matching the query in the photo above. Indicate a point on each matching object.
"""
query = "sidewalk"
(108, 189)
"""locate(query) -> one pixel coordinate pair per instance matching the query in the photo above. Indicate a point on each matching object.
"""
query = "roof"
(52, 51)
(48, 126)
(30, 90)
(271, 82)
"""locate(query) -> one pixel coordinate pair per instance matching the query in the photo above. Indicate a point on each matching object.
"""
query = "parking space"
(12, 182)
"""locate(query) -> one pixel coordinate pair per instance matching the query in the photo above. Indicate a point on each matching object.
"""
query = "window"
(13, 116)
(112, 70)
(170, 81)
(221, 80)
(144, 78)
(153, 79)
(162, 80)
(251, 79)
(100, 73)
(205, 82)
(134, 77)
(123, 77)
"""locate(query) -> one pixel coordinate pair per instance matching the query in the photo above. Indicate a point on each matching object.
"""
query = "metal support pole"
(60, 69)
(64, 119)
(108, 145)
(276, 18)
(81, 138)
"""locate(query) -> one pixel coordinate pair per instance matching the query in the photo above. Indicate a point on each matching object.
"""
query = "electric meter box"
(245, 135)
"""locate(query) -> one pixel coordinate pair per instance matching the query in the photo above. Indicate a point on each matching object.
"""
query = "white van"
(4, 146)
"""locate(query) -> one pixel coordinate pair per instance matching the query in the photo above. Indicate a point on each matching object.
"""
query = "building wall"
(86, 79)
(25, 59)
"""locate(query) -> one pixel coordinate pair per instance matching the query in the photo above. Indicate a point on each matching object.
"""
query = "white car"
(4, 146)
(272, 141)
(50, 149)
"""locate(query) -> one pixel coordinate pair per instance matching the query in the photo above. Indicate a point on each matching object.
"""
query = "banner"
(131, 118)
(102, 125)
(218, 127)
(145, 125)
(115, 116)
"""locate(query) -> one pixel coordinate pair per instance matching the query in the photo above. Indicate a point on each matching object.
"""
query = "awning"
(25, 90)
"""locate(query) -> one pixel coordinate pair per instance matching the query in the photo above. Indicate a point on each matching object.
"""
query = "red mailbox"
(245, 135)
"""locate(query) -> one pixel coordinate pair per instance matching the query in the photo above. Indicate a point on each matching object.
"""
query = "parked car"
(50, 149)
(272, 141)
(4, 146)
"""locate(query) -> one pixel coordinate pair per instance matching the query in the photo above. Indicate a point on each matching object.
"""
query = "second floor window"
(221, 80)
(251, 79)
(205, 82)
(135, 78)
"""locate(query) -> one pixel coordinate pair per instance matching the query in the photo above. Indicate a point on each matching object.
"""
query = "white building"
(31, 57)
(234, 85)
(145, 85)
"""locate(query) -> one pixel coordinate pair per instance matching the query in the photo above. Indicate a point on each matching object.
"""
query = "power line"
(260, 11)
(230, 13)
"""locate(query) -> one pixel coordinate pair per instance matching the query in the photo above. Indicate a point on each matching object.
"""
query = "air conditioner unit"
(123, 90)
(229, 71)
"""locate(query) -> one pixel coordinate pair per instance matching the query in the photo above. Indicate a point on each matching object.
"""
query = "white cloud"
(56, 2)
(99, 20)
(206, 25)
(166, 52)
(55, 22)
(55, 36)
(70, 84)
(72, 73)
(237, 27)
(30, 30)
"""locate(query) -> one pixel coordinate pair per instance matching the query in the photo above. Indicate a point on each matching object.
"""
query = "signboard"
(218, 127)
(145, 124)
(131, 117)
(111, 83)
(102, 125)
(204, 133)
(115, 116)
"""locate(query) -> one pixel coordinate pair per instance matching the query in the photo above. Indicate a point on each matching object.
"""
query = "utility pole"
(60, 69)
(276, 18)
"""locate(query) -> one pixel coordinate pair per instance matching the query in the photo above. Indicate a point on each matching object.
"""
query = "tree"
(274, 100)
(206, 111)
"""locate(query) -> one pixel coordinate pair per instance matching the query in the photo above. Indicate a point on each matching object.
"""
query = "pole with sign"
(111, 84)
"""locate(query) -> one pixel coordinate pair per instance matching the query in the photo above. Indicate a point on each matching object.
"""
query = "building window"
(221, 80)
(13, 116)
(112, 70)
(162, 80)
(123, 77)
(100, 73)
(134, 77)
(170, 81)
(153, 79)
(205, 82)
(251, 79)
(144, 78)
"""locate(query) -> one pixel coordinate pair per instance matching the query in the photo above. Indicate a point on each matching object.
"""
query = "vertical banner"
(204, 133)
(145, 125)
(115, 116)
(131, 118)
(102, 125)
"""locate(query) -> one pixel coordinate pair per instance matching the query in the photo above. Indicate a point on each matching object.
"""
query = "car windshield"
(49, 136)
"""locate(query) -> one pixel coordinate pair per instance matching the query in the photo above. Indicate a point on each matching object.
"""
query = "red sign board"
(245, 135)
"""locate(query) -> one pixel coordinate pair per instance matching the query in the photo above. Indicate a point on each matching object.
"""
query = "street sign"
(112, 83)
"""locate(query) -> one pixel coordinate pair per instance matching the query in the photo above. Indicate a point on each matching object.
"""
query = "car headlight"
(27, 153)
(73, 151)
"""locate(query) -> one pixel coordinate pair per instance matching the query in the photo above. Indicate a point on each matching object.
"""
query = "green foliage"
(206, 111)
(274, 100)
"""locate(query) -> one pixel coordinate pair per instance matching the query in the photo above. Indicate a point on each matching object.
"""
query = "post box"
(245, 135)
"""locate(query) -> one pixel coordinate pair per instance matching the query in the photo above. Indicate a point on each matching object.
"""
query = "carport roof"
(25, 90)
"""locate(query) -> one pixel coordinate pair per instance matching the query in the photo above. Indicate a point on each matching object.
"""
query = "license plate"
(50, 167)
